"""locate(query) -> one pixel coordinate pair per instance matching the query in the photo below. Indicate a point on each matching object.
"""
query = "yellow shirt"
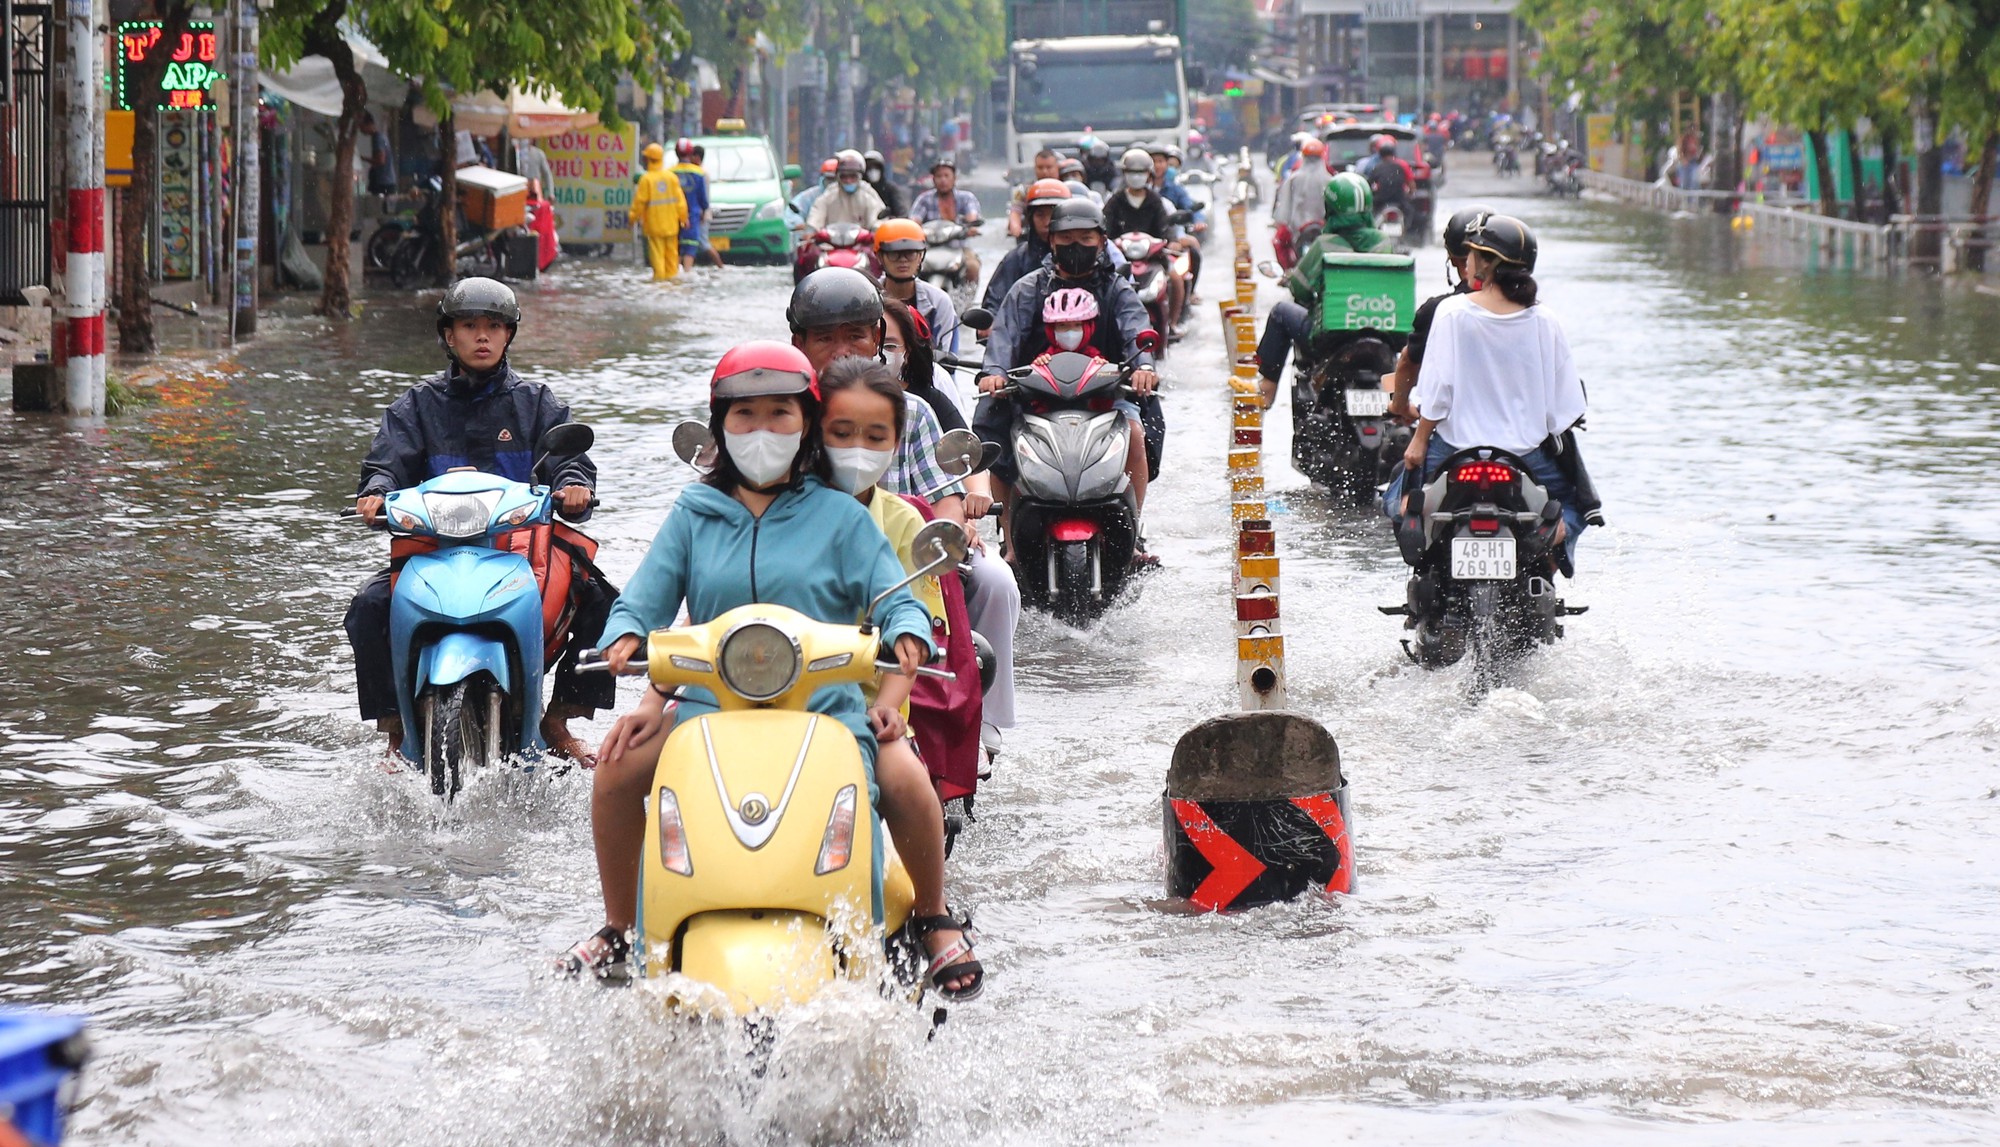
(899, 522)
(658, 205)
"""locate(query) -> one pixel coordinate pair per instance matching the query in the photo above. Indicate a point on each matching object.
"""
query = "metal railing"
(24, 157)
(1662, 197)
(1791, 219)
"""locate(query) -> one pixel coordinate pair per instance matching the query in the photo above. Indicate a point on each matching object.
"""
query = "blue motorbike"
(466, 617)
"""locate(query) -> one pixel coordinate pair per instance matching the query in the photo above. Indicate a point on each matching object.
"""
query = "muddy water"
(1718, 868)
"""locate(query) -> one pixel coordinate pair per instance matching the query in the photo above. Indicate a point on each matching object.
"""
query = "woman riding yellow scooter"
(764, 526)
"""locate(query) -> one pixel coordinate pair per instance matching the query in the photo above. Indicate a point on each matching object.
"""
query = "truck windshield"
(739, 164)
(1071, 94)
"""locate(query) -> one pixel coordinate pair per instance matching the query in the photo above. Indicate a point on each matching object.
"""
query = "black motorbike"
(413, 258)
(1481, 536)
(1342, 435)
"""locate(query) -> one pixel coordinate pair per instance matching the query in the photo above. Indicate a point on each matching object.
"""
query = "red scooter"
(839, 245)
(1152, 262)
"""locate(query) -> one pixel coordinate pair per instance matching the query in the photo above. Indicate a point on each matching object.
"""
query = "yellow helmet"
(653, 151)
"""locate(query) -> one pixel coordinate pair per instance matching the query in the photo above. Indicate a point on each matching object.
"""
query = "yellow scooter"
(759, 877)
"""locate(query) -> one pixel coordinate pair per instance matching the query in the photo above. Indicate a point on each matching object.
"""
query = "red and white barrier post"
(83, 269)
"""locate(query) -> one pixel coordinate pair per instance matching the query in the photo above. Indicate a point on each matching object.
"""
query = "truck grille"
(724, 217)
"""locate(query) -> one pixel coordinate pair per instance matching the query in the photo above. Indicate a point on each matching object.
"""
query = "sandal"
(569, 746)
(954, 963)
(606, 955)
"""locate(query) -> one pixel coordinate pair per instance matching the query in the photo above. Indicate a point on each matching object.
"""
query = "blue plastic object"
(37, 1053)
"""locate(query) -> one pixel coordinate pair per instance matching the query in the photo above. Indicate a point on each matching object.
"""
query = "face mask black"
(1075, 259)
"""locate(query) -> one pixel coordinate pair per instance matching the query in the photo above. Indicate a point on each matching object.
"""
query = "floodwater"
(1718, 868)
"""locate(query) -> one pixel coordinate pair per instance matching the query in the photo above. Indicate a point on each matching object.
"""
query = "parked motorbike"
(944, 261)
(1075, 522)
(1482, 533)
(765, 874)
(839, 245)
(413, 260)
(478, 613)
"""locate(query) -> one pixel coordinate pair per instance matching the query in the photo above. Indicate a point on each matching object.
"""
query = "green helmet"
(1349, 202)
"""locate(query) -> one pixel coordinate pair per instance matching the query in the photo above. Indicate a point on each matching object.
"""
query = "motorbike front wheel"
(1074, 599)
(463, 732)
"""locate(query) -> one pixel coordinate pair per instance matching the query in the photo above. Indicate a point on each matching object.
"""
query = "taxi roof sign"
(731, 126)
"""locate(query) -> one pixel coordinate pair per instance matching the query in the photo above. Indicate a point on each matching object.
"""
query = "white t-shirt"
(1497, 380)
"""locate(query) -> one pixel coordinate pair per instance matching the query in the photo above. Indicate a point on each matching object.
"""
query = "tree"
(934, 46)
(1222, 34)
(579, 50)
(1635, 56)
(135, 280)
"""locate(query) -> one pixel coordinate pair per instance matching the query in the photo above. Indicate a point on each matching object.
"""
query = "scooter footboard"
(762, 959)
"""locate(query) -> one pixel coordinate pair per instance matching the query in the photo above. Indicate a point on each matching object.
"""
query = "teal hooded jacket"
(815, 550)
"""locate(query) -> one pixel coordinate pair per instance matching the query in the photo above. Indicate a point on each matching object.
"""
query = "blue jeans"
(1540, 464)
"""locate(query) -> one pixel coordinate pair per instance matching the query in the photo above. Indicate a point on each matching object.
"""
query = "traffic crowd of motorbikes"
(825, 629)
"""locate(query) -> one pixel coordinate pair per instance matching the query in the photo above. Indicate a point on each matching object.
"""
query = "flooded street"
(1717, 868)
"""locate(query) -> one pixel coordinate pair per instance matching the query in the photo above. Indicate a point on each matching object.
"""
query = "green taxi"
(746, 195)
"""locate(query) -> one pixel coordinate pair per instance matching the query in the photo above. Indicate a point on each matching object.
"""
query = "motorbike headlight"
(1037, 475)
(673, 837)
(458, 515)
(836, 848)
(770, 211)
(759, 661)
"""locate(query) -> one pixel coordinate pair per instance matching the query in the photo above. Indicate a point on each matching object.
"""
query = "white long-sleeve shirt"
(1497, 380)
(836, 206)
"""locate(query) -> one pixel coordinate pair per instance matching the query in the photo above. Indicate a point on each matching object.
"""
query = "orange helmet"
(1312, 147)
(1045, 192)
(900, 235)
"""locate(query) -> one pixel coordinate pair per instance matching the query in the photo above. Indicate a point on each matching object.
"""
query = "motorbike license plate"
(1482, 559)
(1367, 403)
(719, 242)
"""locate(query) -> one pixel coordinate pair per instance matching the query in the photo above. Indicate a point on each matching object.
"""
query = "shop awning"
(311, 84)
(525, 115)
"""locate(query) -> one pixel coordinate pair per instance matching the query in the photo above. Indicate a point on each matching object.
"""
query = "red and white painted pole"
(83, 271)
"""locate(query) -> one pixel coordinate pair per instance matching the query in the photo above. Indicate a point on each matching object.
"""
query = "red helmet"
(828, 166)
(761, 367)
(684, 147)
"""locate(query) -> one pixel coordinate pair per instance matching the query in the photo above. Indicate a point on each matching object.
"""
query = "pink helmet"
(1070, 305)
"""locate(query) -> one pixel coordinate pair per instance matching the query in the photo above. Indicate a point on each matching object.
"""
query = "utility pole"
(249, 190)
(83, 270)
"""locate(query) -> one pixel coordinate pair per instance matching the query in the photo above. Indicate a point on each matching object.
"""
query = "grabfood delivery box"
(1364, 292)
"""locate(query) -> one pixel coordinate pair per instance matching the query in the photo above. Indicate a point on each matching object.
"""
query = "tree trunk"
(1892, 195)
(1854, 173)
(324, 39)
(1927, 243)
(135, 217)
(1982, 198)
(1829, 197)
(447, 267)
(1728, 151)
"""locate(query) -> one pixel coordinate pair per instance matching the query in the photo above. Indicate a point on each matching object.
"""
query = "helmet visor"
(759, 380)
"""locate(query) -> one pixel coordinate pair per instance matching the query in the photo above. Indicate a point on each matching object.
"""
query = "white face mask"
(855, 468)
(1070, 338)
(762, 456)
(1137, 180)
(894, 360)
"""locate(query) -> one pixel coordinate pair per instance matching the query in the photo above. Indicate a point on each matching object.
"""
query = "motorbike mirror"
(568, 438)
(989, 455)
(1181, 217)
(1268, 269)
(1148, 340)
(944, 540)
(694, 445)
(958, 452)
(978, 318)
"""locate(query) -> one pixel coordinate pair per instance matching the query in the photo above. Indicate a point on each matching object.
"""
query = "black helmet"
(1505, 238)
(832, 296)
(1077, 215)
(1455, 228)
(477, 296)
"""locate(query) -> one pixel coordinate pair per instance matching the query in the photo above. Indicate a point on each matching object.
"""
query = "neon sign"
(190, 63)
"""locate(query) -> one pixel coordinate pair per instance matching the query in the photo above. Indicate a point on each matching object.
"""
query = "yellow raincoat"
(660, 210)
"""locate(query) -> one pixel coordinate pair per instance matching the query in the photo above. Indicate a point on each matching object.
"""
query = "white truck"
(1114, 69)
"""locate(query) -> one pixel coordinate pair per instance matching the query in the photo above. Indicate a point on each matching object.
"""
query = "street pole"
(249, 191)
(1422, 21)
(83, 271)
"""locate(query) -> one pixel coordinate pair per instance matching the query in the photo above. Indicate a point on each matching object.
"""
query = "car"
(746, 195)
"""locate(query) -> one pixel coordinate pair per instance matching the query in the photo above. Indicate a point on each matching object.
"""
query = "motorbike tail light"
(1485, 527)
(1485, 475)
(1100, 405)
(673, 837)
(837, 847)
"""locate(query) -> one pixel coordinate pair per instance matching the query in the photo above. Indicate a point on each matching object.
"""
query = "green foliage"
(1223, 33)
(723, 31)
(934, 46)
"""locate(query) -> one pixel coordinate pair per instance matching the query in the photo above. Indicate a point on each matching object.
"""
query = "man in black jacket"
(1135, 206)
(479, 414)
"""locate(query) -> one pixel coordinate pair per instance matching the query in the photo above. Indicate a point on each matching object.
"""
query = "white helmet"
(1136, 159)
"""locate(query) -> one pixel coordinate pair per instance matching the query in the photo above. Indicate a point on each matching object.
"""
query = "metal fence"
(24, 155)
(1794, 219)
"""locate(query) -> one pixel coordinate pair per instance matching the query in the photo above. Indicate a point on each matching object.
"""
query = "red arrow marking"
(1325, 812)
(1233, 869)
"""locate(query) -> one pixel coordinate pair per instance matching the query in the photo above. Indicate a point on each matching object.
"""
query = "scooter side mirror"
(694, 445)
(978, 318)
(958, 452)
(1268, 269)
(943, 542)
(1149, 341)
(989, 456)
(568, 438)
